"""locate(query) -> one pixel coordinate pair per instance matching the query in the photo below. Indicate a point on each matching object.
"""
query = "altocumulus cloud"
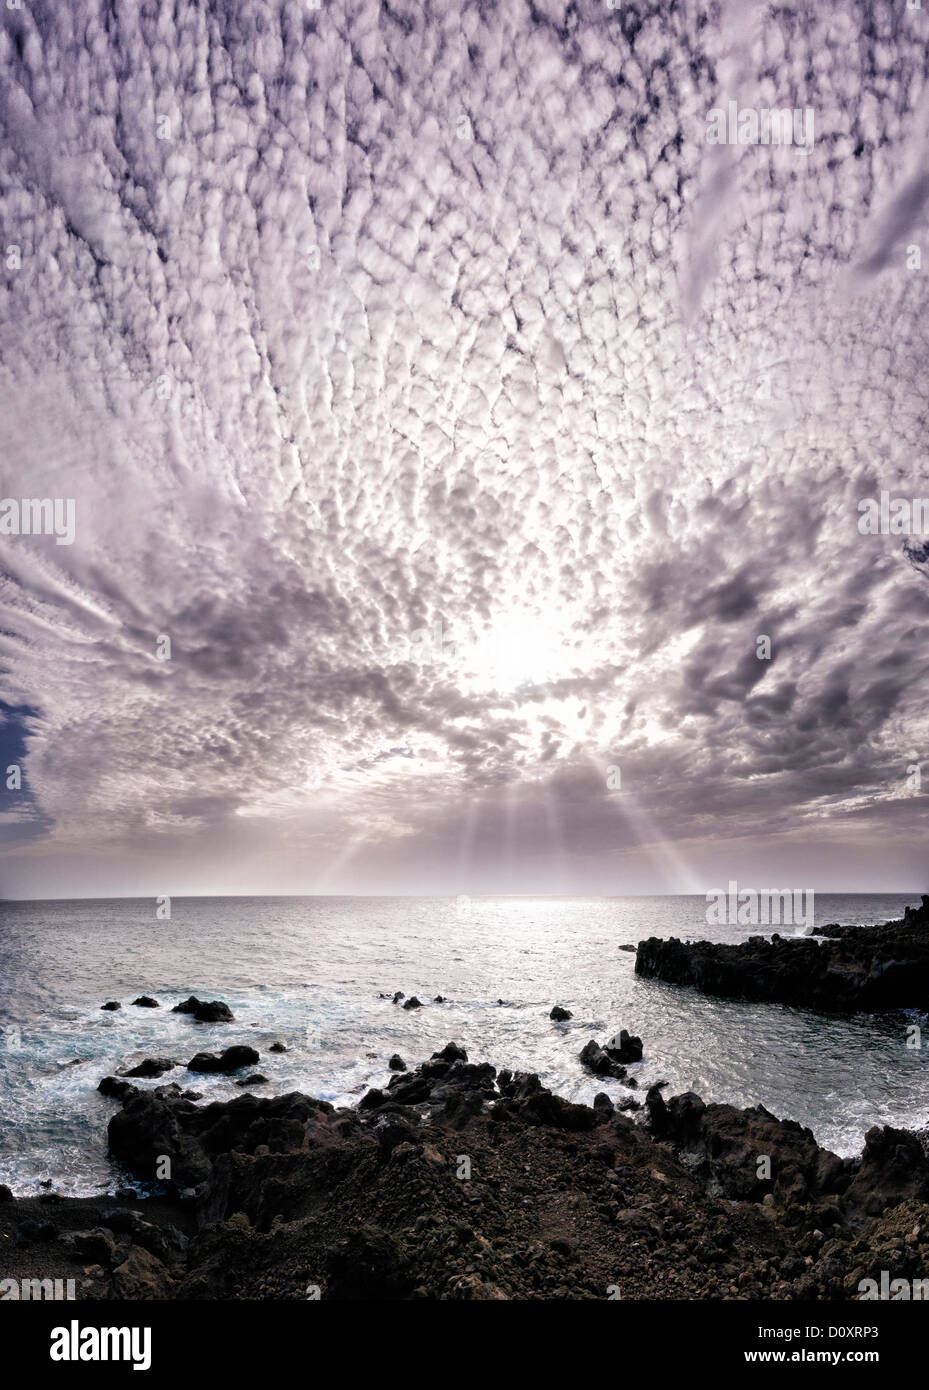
(463, 418)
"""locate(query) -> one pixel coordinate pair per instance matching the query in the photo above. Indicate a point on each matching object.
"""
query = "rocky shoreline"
(457, 1181)
(844, 969)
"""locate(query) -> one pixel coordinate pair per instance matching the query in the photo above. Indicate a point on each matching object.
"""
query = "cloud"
(350, 325)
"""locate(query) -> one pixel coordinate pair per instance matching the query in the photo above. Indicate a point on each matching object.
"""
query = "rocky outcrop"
(460, 1181)
(145, 1001)
(560, 1015)
(865, 968)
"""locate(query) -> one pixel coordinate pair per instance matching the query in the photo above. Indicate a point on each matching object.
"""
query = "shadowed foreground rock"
(863, 968)
(460, 1182)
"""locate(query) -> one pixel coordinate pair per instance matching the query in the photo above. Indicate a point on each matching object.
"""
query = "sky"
(448, 413)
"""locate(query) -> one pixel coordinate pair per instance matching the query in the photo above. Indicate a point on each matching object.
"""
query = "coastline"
(461, 1183)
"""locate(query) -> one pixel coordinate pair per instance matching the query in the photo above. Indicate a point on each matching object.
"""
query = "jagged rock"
(145, 1001)
(111, 1005)
(451, 1052)
(141, 1276)
(255, 1080)
(277, 1047)
(595, 1059)
(397, 1063)
(560, 1015)
(412, 1003)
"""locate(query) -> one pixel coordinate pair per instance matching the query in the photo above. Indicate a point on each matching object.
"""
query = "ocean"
(308, 972)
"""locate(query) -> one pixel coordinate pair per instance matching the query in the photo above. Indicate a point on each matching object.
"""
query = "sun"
(518, 649)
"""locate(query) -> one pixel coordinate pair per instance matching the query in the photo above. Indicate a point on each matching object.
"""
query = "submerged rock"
(145, 1001)
(111, 1005)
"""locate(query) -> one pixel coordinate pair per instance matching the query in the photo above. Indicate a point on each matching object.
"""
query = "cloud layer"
(463, 418)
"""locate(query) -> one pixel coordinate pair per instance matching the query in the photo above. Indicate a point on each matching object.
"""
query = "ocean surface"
(308, 972)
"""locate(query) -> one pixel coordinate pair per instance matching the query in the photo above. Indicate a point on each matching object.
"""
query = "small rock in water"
(205, 1011)
(398, 996)
(152, 1066)
(231, 1060)
(145, 1001)
(119, 1090)
(627, 947)
(277, 1047)
(560, 1015)
(397, 1063)
(111, 1005)
(623, 1047)
(256, 1079)
(601, 1063)
(412, 1003)
(439, 999)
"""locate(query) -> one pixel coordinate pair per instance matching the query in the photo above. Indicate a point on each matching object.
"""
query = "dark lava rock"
(277, 1047)
(5, 1193)
(230, 1060)
(397, 1063)
(254, 1080)
(439, 999)
(151, 1066)
(112, 1005)
(595, 1059)
(627, 946)
(451, 1052)
(624, 1048)
(145, 1001)
(412, 1003)
(866, 968)
(205, 1011)
(603, 1102)
(117, 1089)
(364, 1203)
(159, 1124)
(97, 1245)
(398, 996)
(560, 1015)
